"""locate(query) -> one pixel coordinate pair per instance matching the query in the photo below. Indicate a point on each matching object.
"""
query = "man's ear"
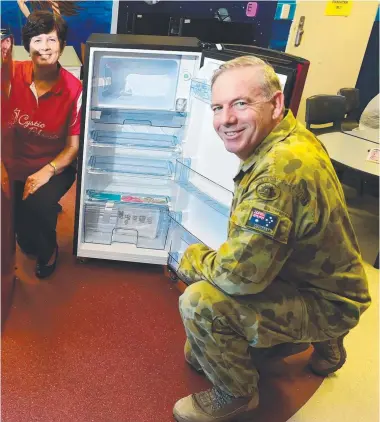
(278, 101)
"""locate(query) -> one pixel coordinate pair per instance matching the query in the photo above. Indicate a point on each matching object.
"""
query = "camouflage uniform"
(290, 270)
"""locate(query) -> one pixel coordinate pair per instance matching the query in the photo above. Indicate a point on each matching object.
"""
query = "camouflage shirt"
(288, 219)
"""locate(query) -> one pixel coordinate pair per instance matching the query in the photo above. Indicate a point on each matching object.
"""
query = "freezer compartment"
(131, 166)
(135, 117)
(134, 139)
(144, 225)
(142, 79)
(180, 240)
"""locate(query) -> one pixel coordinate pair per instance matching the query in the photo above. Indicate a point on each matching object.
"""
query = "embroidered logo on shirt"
(263, 221)
(268, 191)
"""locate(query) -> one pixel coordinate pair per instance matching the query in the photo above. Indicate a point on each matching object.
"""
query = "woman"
(43, 125)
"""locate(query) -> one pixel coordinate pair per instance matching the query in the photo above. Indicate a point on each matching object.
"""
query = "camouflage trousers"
(222, 329)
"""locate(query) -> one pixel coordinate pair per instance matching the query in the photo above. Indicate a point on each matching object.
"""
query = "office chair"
(325, 109)
(322, 110)
(350, 122)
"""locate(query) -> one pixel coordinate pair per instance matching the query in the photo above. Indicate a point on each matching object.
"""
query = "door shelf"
(143, 225)
(202, 188)
(136, 117)
(131, 166)
(103, 138)
(201, 90)
(127, 197)
(180, 240)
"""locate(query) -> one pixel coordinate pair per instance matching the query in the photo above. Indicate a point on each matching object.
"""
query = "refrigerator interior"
(155, 176)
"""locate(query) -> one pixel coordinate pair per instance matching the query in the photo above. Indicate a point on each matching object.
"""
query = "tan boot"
(328, 356)
(212, 405)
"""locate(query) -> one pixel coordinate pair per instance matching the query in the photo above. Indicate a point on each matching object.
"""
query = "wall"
(91, 16)
(335, 46)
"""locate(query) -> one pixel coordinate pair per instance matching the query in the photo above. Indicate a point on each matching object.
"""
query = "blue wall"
(93, 16)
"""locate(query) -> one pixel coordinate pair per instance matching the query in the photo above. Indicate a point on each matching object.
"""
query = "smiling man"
(290, 272)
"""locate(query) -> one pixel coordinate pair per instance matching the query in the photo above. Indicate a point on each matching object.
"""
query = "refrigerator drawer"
(131, 166)
(143, 225)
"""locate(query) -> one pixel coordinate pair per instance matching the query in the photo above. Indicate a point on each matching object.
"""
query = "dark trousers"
(36, 216)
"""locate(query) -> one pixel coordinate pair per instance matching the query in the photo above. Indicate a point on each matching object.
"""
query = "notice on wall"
(338, 8)
(373, 155)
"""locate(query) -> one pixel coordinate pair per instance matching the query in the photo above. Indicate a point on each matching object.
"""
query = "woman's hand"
(36, 180)
(4, 181)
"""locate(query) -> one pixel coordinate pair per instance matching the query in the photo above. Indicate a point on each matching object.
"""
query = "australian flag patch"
(263, 221)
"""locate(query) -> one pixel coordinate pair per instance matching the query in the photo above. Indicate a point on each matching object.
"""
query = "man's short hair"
(43, 22)
(270, 84)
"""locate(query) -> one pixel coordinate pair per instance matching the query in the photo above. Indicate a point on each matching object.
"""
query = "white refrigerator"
(153, 176)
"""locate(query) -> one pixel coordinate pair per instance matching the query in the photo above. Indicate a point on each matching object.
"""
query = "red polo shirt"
(38, 127)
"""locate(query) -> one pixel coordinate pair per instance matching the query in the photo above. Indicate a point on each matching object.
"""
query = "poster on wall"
(82, 17)
(338, 8)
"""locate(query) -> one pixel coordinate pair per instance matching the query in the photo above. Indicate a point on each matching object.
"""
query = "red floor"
(103, 341)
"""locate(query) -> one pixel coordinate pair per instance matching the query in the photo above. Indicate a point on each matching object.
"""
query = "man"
(290, 270)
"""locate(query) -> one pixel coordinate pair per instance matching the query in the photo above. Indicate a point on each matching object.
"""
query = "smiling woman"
(43, 117)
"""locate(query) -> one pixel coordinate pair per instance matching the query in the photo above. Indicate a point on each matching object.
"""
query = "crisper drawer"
(143, 225)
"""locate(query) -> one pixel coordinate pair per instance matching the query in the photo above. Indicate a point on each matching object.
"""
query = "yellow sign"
(339, 8)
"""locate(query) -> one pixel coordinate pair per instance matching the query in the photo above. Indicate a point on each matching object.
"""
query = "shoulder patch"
(263, 221)
(268, 191)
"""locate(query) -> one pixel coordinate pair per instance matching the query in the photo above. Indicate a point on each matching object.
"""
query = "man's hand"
(36, 180)
(5, 181)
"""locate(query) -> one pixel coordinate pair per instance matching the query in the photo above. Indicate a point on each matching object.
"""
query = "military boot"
(212, 405)
(328, 356)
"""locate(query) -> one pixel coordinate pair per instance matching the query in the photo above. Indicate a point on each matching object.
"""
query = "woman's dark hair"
(43, 22)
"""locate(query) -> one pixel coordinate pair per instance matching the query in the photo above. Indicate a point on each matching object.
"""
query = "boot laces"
(214, 398)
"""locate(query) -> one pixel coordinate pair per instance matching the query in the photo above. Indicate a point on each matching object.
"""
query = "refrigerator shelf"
(144, 225)
(127, 197)
(139, 117)
(130, 166)
(103, 138)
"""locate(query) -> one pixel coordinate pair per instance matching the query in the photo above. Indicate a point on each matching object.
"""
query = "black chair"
(351, 95)
(325, 109)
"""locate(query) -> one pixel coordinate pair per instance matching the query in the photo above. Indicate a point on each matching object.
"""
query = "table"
(351, 151)
(69, 59)
(367, 134)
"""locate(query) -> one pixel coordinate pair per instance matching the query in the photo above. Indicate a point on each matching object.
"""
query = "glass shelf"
(144, 225)
(137, 117)
(130, 166)
(134, 140)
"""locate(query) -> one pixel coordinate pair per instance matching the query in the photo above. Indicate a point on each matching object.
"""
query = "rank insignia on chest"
(262, 221)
